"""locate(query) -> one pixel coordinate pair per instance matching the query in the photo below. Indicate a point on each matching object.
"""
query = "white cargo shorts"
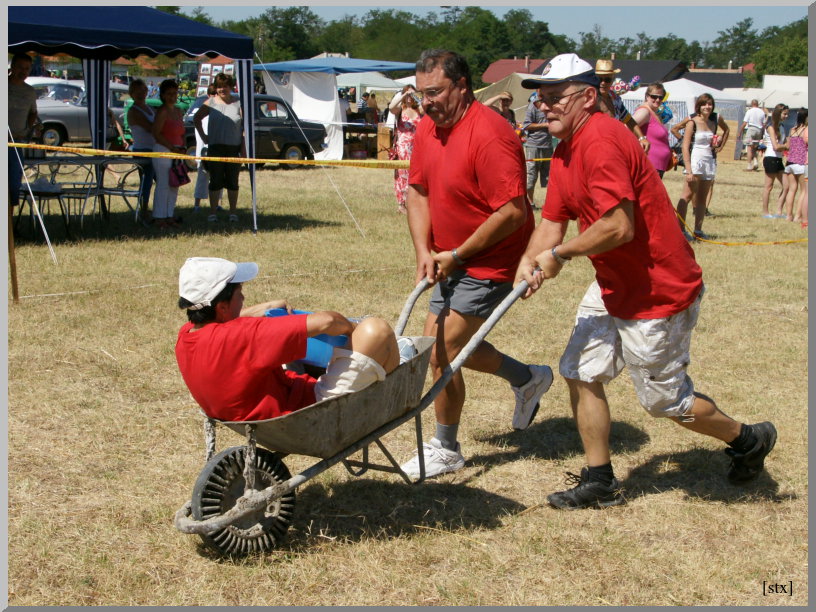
(656, 351)
(348, 371)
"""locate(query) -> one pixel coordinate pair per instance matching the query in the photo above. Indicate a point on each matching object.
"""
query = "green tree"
(173, 10)
(593, 45)
(736, 45)
(785, 51)
(289, 33)
(391, 35)
(341, 36)
(201, 16)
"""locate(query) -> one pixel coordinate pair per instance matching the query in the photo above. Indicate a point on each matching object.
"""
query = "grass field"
(105, 442)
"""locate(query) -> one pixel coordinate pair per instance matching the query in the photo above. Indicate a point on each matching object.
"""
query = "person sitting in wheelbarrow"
(231, 356)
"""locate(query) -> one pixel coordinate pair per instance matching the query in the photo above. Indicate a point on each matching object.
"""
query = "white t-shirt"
(754, 116)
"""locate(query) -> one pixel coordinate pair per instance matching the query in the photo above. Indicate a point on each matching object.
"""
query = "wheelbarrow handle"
(409, 306)
(474, 342)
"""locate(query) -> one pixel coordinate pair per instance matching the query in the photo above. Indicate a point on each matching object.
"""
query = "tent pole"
(15, 294)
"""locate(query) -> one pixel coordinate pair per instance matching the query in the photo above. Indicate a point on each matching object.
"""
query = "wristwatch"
(643, 138)
(459, 261)
(561, 260)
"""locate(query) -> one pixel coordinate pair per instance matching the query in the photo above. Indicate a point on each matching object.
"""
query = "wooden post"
(12, 259)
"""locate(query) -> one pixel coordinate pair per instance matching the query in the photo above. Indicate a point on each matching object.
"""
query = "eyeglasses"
(432, 94)
(655, 97)
(559, 100)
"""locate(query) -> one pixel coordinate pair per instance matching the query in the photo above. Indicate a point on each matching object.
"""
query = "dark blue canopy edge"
(110, 32)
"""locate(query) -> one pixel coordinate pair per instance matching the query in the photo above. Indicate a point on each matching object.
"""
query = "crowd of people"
(474, 238)
(468, 197)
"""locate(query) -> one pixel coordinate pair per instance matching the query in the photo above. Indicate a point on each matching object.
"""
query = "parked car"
(279, 134)
(68, 121)
(49, 88)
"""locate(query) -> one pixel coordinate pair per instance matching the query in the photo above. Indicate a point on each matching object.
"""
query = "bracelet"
(459, 261)
(643, 138)
(561, 260)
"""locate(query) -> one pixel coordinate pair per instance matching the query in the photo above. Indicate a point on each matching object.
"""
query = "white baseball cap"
(201, 279)
(563, 68)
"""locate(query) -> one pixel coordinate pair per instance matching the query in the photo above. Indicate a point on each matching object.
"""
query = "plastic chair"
(123, 179)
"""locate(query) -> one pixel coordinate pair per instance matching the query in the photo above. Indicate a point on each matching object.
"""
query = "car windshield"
(60, 92)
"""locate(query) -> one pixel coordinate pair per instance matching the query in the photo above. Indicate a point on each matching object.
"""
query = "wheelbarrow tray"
(326, 428)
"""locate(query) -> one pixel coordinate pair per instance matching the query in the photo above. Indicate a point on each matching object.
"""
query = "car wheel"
(293, 152)
(53, 135)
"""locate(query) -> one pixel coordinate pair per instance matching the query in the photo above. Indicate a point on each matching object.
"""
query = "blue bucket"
(319, 348)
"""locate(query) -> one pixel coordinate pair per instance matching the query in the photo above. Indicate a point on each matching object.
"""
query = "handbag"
(178, 173)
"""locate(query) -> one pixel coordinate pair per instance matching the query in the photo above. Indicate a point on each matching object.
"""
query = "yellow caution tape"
(746, 243)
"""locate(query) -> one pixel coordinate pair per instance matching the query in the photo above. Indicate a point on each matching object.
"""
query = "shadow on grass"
(363, 508)
(121, 225)
(700, 473)
(360, 509)
(554, 438)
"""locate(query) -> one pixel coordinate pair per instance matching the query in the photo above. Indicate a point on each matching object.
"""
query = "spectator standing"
(469, 222)
(22, 119)
(642, 307)
(685, 196)
(538, 148)
(751, 129)
(224, 138)
(700, 142)
(610, 102)
(407, 110)
(775, 146)
(202, 183)
(140, 119)
(168, 131)
(652, 127)
(797, 164)
(502, 104)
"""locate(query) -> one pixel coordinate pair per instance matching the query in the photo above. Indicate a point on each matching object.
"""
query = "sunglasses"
(655, 97)
(605, 79)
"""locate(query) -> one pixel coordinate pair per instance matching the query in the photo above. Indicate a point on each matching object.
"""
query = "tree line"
(286, 33)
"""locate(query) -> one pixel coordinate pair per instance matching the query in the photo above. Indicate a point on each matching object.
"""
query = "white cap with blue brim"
(564, 68)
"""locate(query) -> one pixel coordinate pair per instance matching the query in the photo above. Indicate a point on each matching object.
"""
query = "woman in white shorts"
(795, 169)
(699, 142)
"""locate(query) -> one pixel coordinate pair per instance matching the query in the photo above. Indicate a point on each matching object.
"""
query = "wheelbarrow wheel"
(221, 483)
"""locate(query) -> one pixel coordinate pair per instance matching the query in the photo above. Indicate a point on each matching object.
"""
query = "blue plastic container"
(318, 349)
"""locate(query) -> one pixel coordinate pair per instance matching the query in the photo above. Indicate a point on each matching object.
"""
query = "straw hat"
(603, 67)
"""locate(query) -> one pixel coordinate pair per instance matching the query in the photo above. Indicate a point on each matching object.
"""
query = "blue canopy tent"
(100, 34)
(310, 86)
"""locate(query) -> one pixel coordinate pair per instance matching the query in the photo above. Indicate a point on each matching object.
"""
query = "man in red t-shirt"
(230, 357)
(644, 303)
(469, 221)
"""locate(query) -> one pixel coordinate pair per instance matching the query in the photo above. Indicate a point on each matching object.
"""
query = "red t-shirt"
(470, 171)
(654, 275)
(233, 370)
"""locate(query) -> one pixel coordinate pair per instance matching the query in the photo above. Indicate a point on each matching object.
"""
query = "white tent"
(365, 81)
(310, 86)
(512, 84)
(776, 89)
(686, 91)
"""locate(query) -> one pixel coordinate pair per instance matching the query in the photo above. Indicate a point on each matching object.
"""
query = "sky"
(616, 21)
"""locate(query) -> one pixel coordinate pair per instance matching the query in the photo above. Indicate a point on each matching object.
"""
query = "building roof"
(650, 71)
(718, 80)
(501, 68)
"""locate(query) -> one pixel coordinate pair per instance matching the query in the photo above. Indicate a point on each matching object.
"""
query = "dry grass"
(105, 442)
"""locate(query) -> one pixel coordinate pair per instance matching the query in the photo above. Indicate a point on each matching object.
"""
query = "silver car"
(67, 121)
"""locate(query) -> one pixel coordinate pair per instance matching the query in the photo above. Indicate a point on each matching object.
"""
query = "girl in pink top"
(652, 127)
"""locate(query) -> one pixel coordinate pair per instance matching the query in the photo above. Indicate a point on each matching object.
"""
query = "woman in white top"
(140, 119)
(699, 141)
(224, 138)
(775, 145)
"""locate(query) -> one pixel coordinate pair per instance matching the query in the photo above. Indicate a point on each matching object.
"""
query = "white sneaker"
(438, 460)
(527, 396)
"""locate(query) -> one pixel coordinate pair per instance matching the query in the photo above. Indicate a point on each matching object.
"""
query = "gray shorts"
(467, 295)
(753, 135)
(656, 351)
(537, 169)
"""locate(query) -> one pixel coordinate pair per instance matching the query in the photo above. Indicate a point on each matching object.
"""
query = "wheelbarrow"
(244, 499)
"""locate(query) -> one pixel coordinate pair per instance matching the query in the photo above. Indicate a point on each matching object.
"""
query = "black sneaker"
(747, 465)
(587, 493)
